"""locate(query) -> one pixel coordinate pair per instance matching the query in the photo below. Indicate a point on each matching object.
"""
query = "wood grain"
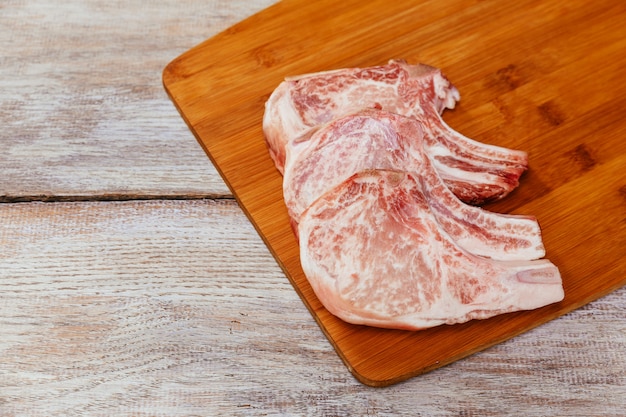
(177, 308)
(532, 89)
(83, 109)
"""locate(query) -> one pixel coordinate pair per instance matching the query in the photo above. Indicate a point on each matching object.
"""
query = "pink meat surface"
(377, 139)
(375, 254)
(474, 171)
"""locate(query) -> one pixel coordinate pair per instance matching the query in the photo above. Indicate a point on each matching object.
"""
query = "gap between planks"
(110, 197)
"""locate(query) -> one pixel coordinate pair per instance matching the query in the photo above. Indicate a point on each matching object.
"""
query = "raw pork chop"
(474, 171)
(377, 139)
(375, 255)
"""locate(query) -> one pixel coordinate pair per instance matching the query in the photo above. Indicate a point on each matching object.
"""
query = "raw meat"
(375, 184)
(474, 171)
(376, 255)
(377, 139)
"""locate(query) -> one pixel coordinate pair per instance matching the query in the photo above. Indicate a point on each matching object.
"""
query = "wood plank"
(83, 109)
(536, 87)
(176, 307)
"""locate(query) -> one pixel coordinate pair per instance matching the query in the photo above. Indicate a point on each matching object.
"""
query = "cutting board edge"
(360, 376)
(168, 77)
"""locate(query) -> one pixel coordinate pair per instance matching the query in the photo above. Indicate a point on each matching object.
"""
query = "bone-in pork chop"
(377, 139)
(375, 254)
(474, 171)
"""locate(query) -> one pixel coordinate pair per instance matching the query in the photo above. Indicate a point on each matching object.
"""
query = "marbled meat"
(378, 139)
(376, 255)
(476, 172)
(382, 196)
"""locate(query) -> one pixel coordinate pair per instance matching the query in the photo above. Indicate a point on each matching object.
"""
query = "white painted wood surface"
(169, 304)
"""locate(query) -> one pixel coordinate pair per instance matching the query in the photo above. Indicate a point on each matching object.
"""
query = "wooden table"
(131, 283)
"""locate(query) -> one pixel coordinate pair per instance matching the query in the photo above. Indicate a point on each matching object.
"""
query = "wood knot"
(622, 191)
(510, 75)
(550, 112)
(582, 157)
(507, 79)
(265, 56)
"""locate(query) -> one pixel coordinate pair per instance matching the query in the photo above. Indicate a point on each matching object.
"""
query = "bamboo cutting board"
(543, 76)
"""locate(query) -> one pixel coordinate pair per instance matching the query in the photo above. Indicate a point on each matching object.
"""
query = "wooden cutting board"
(547, 77)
